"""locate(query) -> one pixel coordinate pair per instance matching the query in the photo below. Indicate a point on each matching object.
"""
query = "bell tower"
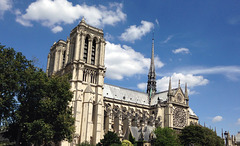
(82, 55)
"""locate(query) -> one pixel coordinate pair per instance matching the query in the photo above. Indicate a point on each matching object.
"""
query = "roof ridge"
(125, 88)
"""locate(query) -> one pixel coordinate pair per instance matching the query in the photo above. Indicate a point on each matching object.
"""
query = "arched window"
(85, 75)
(85, 53)
(91, 78)
(93, 112)
(93, 52)
(64, 58)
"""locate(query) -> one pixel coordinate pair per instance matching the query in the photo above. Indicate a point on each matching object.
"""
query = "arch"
(93, 55)
(64, 57)
(85, 52)
(72, 46)
(85, 72)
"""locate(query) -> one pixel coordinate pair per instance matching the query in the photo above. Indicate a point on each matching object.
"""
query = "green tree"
(126, 143)
(84, 144)
(12, 67)
(110, 138)
(131, 138)
(165, 137)
(40, 112)
(198, 135)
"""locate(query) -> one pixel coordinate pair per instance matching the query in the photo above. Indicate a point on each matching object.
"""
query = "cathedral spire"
(152, 66)
(151, 86)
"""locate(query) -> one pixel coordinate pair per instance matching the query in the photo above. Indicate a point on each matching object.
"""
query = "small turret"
(179, 86)
(186, 91)
(83, 20)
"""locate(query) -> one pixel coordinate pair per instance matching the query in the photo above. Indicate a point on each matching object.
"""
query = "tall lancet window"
(64, 58)
(93, 52)
(85, 53)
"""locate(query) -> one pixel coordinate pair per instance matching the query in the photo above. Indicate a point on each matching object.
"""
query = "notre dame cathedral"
(100, 107)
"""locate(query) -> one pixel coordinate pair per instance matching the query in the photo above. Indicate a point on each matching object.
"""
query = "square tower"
(82, 55)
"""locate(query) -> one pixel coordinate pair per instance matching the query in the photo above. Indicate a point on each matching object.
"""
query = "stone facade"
(99, 107)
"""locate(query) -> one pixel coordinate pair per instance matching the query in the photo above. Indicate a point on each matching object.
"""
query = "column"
(60, 58)
(55, 61)
(77, 47)
(98, 126)
(87, 124)
(48, 63)
(74, 74)
(67, 51)
(120, 129)
(97, 53)
(102, 52)
(153, 122)
(110, 120)
(129, 121)
(82, 45)
(80, 73)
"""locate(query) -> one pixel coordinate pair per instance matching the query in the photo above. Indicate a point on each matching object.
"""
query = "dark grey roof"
(124, 94)
(162, 96)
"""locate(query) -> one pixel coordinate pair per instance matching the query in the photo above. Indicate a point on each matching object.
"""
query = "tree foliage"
(38, 110)
(126, 143)
(84, 144)
(110, 138)
(165, 137)
(198, 135)
(12, 67)
(131, 138)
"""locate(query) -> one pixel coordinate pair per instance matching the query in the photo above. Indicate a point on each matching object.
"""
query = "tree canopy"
(12, 67)
(34, 107)
(110, 138)
(165, 137)
(198, 135)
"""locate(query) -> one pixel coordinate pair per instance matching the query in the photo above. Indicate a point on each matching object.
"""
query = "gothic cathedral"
(100, 107)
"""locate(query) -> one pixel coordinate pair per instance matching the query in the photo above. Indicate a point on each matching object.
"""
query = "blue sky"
(197, 42)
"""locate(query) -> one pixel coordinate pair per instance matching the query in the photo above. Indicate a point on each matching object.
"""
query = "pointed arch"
(85, 52)
(93, 56)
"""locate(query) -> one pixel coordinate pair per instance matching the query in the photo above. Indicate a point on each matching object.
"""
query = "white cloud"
(108, 37)
(57, 29)
(231, 72)
(156, 20)
(168, 39)
(238, 121)
(217, 119)
(5, 5)
(123, 61)
(142, 86)
(59, 12)
(191, 80)
(136, 32)
(181, 50)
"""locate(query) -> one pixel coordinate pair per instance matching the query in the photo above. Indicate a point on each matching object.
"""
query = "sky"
(197, 42)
